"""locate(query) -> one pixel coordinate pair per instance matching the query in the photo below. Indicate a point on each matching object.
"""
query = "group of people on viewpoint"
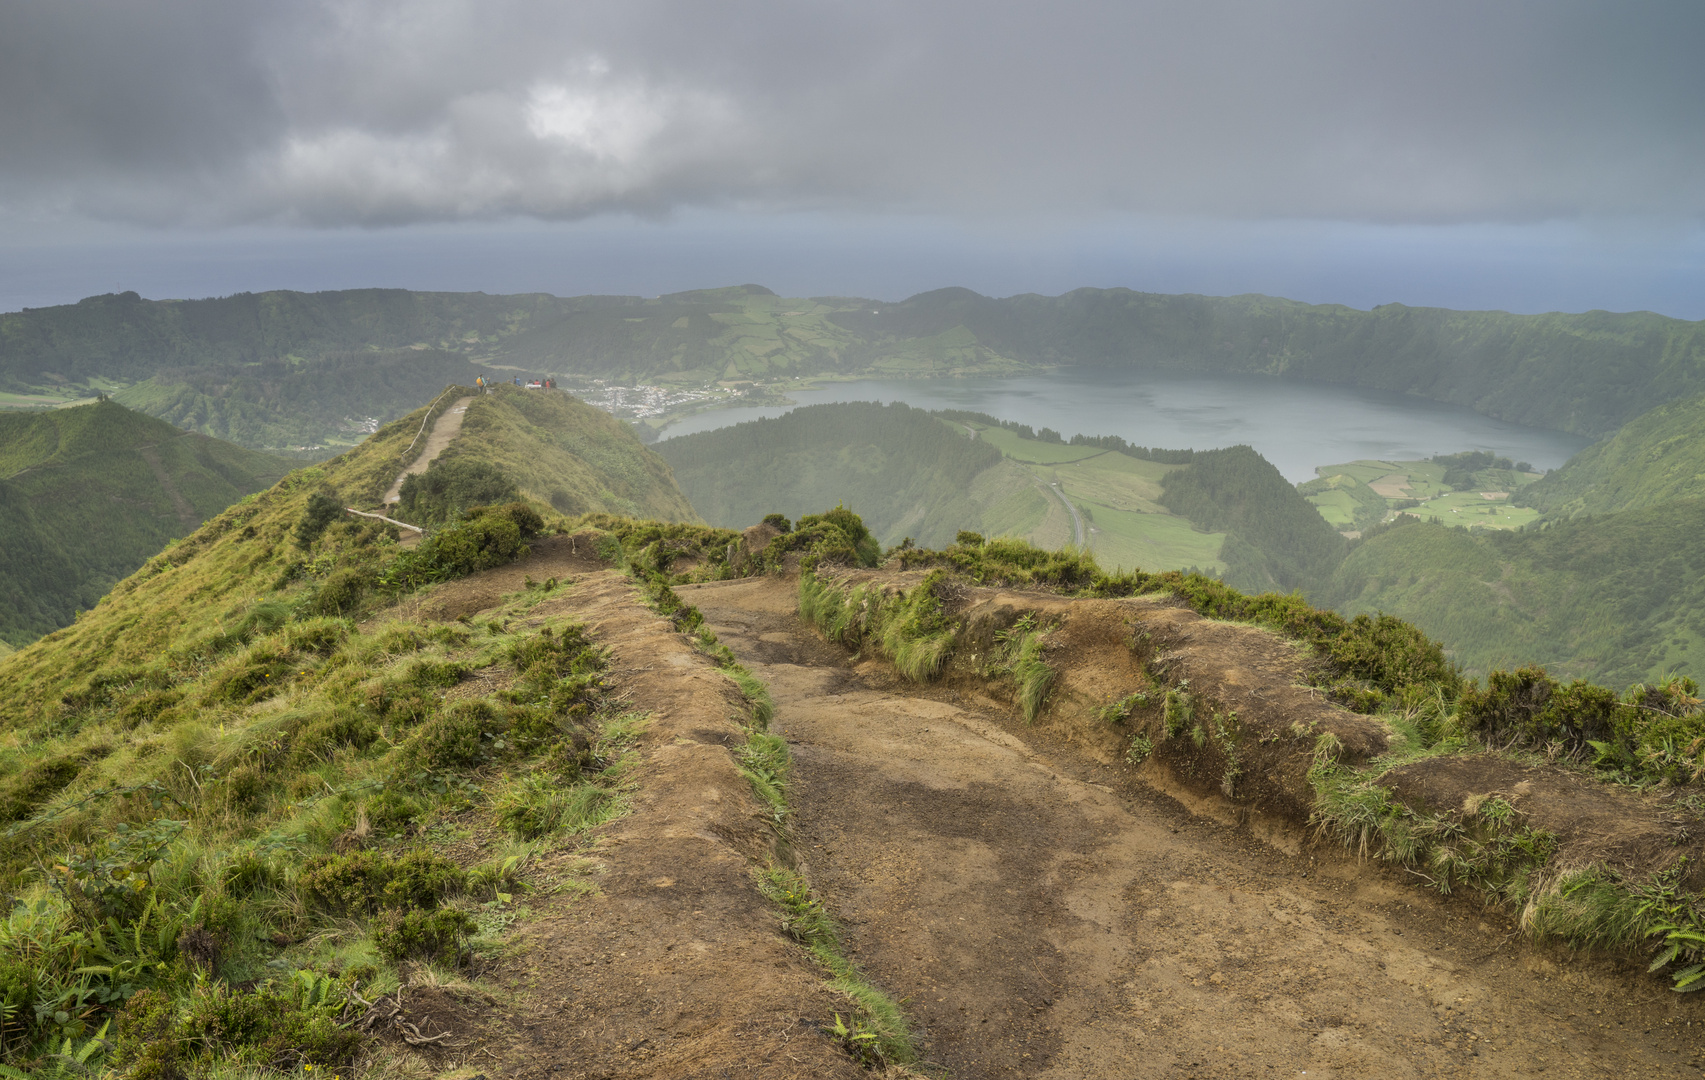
(536, 384)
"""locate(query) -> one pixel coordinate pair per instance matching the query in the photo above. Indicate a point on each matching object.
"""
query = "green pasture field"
(1127, 540)
(1471, 510)
(1422, 480)
(1337, 507)
(1116, 495)
(1014, 504)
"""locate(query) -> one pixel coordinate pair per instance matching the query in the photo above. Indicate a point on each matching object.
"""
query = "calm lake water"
(1295, 425)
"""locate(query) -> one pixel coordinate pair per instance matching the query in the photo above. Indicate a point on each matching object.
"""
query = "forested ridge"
(1275, 540)
(1654, 459)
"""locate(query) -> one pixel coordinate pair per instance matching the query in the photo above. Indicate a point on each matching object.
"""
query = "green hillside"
(1614, 599)
(1585, 373)
(567, 455)
(88, 493)
(1275, 539)
(914, 474)
(1656, 458)
(195, 753)
(907, 472)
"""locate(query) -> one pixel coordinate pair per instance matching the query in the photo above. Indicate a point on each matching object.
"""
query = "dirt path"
(444, 429)
(1046, 915)
(653, 954)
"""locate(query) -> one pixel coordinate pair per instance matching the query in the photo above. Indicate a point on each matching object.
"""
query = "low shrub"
(765, 763)
(340, 593)
(323, 738)
(468, 735)
(436, 674)
(490, 538)
(365, 882)
(1022, 647)
(910, 627)
(424, 935)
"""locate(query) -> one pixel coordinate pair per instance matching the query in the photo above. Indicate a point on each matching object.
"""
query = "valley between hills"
(875, 772)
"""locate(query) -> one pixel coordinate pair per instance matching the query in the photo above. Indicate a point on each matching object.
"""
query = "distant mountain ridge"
(1585, 373)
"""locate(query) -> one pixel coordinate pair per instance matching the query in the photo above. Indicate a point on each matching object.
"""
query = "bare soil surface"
(445, 427)
(1047, 910)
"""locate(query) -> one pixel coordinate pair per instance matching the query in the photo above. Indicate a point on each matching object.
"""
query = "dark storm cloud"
(368, 112)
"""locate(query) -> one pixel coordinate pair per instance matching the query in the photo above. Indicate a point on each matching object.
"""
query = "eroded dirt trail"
(1050, 916)
(445, 427)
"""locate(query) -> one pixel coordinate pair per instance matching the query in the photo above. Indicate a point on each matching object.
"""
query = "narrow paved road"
(1079, 534)
(1044, 915)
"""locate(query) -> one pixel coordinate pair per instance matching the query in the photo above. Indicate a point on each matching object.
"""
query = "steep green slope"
(1615, 599)
(568, 455)
(89, 493)
(908, 473)
(1656, 458)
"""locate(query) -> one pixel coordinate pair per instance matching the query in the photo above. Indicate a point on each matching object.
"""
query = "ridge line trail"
(444, 429)
(1045, 914)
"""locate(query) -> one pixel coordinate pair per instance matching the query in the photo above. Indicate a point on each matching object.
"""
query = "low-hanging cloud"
(376, 112)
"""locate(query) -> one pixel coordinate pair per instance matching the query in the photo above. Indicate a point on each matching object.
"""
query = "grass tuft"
(879, 1033)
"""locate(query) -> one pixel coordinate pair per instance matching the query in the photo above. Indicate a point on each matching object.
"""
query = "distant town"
(639, 402)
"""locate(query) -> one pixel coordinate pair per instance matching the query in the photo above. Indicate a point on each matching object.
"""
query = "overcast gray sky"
(1525, 155)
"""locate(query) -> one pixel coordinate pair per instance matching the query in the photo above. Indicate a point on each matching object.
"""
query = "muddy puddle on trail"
(1045, 915)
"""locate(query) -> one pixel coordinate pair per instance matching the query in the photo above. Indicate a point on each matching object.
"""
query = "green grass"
(879, 1033)
(568, 455)
(215, 819)
(1022, 647)
(219, 721)
(1488, 847)
(908, 627)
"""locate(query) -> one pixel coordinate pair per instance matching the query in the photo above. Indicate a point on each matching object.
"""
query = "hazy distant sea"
(1295, 425)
